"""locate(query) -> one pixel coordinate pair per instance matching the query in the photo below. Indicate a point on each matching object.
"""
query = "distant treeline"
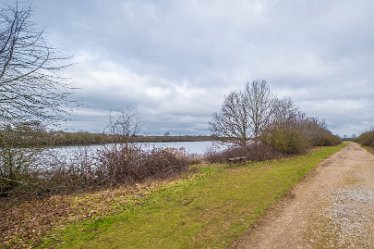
(87, 138)
(32, 134)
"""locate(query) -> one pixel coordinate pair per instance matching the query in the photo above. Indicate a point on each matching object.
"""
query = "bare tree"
(259, 103)
(284, 111)
(29, 86)
(124, 123)
(232, 121)
(245, 113)
(30, 90)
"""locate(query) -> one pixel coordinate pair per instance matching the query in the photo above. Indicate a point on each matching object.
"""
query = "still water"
(192, 148)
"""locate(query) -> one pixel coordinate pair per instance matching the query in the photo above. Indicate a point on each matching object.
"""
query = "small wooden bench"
(240, 159)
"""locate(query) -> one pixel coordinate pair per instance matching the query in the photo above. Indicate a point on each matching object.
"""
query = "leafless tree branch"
(245, 113)
(30, 89)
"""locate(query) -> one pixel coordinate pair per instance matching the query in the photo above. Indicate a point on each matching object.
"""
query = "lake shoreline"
(66, 139)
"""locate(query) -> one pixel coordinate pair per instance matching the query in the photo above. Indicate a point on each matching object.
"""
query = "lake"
(191, 148)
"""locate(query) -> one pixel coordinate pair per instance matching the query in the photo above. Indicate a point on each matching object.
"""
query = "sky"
(174, 61)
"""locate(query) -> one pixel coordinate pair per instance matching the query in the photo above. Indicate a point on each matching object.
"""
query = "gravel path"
(332, 208)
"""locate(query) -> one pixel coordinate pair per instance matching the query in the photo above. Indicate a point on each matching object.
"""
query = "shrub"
(322, 137)
(251, 152)
(64, 176)
(366, 138)
(288, 139)
(129, 164)
(162, 163)
(318, 134)
(17, 169)
(296, 136)
(111, 166)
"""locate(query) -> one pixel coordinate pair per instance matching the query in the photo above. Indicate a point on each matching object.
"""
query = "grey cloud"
(171, 59)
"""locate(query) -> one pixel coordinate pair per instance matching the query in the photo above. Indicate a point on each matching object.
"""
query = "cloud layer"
(174, 61)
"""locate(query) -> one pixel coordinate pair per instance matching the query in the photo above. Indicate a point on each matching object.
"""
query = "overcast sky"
(174, 60)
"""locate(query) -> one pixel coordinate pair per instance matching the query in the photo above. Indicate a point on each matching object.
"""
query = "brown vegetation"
(298, 135)
(132, 164)
(250, 152)
(112, 165)
(366, 138)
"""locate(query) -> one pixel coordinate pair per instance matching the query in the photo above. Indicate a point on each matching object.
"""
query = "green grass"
(209, 210)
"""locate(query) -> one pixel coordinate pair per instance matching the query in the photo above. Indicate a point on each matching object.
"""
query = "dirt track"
(332, 208)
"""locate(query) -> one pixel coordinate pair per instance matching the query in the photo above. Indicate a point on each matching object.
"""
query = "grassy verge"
(211, 209)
